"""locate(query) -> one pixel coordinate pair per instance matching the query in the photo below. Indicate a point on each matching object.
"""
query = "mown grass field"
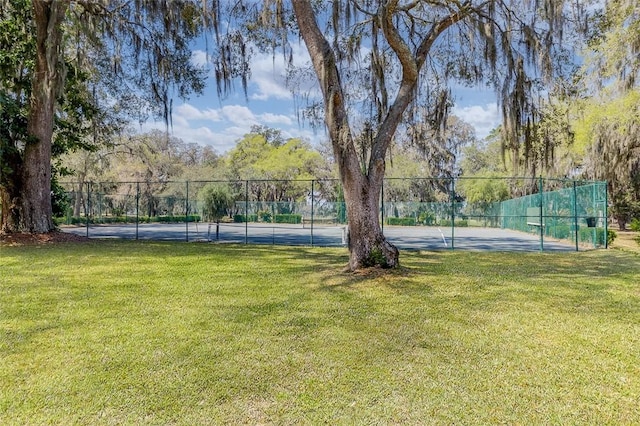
(116, 332)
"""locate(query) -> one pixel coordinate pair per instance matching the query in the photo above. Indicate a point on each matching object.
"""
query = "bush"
(174, 219)
(427, 218)
(216, 201)
(586, 235)
(635, 225)
(463, 223)
(288, 218)
(401, 221)
(77, 220)
(560, 231)
(241, 218)
(265, 216)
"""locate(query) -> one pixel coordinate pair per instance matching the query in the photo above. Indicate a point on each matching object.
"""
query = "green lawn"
(190, 333)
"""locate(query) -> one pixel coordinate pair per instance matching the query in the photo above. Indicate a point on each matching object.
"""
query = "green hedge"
(462, 223)
(427, 218)
(288, 218)
(401, 221)
(278, 218)
(586, 235)
(561, 232)
(241, 218)
(76, 220)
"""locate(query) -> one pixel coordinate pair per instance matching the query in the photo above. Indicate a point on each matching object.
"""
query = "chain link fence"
(475, 213)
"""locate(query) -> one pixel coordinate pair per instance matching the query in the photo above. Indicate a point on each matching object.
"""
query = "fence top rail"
(457, 178)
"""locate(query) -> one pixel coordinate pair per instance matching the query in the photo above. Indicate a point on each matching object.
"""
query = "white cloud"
(189, 112)
(223, 135)
(275, 119)
(199, 58)
(239, 114)
(483, 118)
(269, 71)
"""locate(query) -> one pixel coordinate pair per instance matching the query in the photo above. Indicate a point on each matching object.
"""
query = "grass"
(175, 333)
(627, 240)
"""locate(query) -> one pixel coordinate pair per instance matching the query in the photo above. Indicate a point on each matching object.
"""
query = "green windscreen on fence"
(576, 213)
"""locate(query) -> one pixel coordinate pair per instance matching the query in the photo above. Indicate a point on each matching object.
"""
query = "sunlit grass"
(177, 333)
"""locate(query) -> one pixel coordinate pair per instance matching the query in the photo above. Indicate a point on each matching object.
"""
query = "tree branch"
(411, 66)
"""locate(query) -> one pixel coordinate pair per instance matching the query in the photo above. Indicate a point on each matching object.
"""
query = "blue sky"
(208, 120)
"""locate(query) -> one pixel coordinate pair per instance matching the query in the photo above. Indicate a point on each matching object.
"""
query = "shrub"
(241, 218)
(586, 235)
(462, 223)
(175, 218)
(288, 218)
(265, 216)
(401, 221)
(635, 225)
(427, 218)
(216, 201)
(560, 231)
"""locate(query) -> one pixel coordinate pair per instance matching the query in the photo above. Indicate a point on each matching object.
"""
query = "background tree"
(151, 159)
(140, 45)
(277, 168)
(611, 133)
(607, 125)
(374, 59)
(216, 201)
(485, 155)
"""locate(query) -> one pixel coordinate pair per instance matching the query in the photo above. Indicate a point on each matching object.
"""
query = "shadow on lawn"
(591, 283)
(579, 276)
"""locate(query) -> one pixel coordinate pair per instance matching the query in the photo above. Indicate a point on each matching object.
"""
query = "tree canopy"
(382, 65)
(73, 70)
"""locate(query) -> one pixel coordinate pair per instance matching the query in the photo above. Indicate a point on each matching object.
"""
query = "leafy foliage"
(93, 64)
(612, 139)
(216, 201)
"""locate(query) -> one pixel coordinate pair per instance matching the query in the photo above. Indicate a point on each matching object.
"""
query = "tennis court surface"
(404, 237)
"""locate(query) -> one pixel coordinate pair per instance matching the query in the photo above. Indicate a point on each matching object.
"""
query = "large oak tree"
(136, 53)
(381, 64)
(609, 123)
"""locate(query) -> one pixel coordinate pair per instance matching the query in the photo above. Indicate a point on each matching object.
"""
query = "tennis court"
(404, 237)
(417, 213)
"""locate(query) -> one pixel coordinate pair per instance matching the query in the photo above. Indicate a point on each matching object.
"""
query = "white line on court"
(443, 239)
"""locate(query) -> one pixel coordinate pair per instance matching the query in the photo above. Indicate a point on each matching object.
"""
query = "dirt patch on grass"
(56, 237)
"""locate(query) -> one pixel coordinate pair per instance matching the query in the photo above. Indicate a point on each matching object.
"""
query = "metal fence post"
(312, 207)
(246, 212)
(186, 212)
(606, 214)
(575, 214)
(453, 212)
(88, 206)
(594, 207)
(541, 194)
(137, 207)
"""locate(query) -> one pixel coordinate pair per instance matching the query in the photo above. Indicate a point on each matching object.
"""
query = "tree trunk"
(79, 197)
(367, 244)
(26, 205)
(10, 194)
(362, 183)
